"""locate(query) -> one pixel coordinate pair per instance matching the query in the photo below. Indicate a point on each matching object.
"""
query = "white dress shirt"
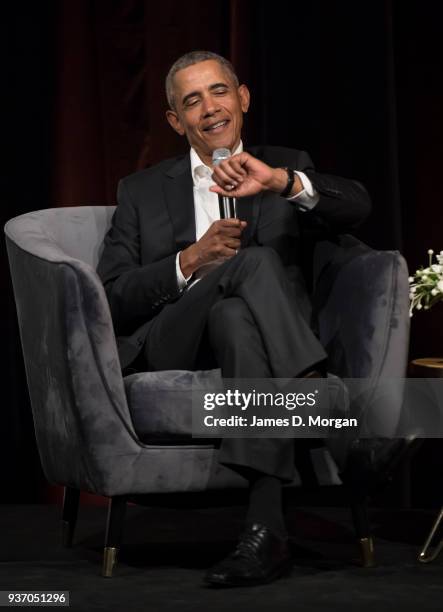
(207, 211)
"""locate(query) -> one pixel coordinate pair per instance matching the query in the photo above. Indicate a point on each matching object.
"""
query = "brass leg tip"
(367, 552)
(109, 561)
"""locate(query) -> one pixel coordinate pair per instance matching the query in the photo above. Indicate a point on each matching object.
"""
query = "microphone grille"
(219, 155)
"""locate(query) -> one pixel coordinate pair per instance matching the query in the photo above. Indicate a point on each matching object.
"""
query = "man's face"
(209, 108)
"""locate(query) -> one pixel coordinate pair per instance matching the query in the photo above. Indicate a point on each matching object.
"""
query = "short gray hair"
(189, 59)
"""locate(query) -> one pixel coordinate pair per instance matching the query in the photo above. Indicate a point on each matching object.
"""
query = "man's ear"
(174, 122)
(245, 97)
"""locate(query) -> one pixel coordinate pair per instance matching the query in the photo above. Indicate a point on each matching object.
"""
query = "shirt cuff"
(308, 197)
(181, 280)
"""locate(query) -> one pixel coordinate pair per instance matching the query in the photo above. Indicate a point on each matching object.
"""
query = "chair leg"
(429, 553)
(69, 515)
(370, 464)
(114, 531)
(359, 510)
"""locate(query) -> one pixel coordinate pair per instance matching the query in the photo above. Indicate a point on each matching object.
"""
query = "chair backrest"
(72, 366)
(76, 232)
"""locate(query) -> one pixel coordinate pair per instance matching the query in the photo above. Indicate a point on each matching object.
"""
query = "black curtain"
(357, 84)
(27, 32)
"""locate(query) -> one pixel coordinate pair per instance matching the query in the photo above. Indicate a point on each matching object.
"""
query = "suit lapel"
(180, 201)
(247, 210)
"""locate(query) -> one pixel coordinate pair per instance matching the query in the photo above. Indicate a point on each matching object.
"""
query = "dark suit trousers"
(244, 317)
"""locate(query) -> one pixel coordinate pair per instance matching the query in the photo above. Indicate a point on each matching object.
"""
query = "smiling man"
(207, 106)
(190, 291)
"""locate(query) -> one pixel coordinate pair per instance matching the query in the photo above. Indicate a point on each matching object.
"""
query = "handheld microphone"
(228, 206)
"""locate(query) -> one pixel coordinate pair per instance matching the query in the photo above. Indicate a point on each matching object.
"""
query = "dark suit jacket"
(155, 219)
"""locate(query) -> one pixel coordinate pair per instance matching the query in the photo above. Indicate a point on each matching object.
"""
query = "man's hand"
(243, 175)
(221, 241)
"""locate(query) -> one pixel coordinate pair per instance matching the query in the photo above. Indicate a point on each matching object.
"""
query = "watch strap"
(291, 178)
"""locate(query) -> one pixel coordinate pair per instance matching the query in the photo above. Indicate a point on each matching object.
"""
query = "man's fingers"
(227, 252)
(232, 243)
(232, 230)
(232, 192)
(230, 223)
(236, 166)
(229, 173)
(233, 169)
(230, 233)
(221, 177)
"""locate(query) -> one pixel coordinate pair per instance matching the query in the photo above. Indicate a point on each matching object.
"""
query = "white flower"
(426, 286)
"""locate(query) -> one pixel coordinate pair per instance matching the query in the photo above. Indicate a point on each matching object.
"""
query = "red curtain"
(112, 58)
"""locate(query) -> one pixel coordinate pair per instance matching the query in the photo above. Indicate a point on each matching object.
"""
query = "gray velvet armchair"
(96, 431)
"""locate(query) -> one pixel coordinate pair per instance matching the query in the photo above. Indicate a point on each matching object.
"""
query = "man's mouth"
(216, 127)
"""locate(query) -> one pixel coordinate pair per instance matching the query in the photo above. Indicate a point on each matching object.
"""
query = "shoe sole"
(284, 569)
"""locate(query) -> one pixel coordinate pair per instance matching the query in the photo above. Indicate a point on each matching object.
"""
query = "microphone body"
(227, 205)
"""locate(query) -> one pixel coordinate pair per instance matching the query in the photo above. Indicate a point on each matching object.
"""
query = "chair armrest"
(361, 312)
(361, 308)
(77, 394)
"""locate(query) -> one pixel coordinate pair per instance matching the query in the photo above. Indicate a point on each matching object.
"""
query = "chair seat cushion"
(160, 403)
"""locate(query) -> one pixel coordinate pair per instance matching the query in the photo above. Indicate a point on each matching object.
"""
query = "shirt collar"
(202, 172)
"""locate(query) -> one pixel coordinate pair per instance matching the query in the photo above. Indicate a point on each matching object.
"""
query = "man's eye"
(191, 102)
(220, 91)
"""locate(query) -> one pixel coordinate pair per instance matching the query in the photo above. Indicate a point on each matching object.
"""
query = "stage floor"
(166, 551)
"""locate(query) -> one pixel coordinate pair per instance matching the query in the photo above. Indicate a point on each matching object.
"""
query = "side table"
(429, 367)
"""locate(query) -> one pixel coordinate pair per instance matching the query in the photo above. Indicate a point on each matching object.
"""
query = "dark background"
(357, 84)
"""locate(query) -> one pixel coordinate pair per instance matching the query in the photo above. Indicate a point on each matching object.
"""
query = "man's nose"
(209, 106)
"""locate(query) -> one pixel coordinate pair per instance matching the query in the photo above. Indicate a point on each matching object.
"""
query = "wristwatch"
(291, 178)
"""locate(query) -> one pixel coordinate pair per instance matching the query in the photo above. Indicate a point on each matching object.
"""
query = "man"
(190, 291)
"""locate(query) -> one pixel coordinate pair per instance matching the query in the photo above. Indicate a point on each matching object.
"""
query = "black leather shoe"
(260, 557)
